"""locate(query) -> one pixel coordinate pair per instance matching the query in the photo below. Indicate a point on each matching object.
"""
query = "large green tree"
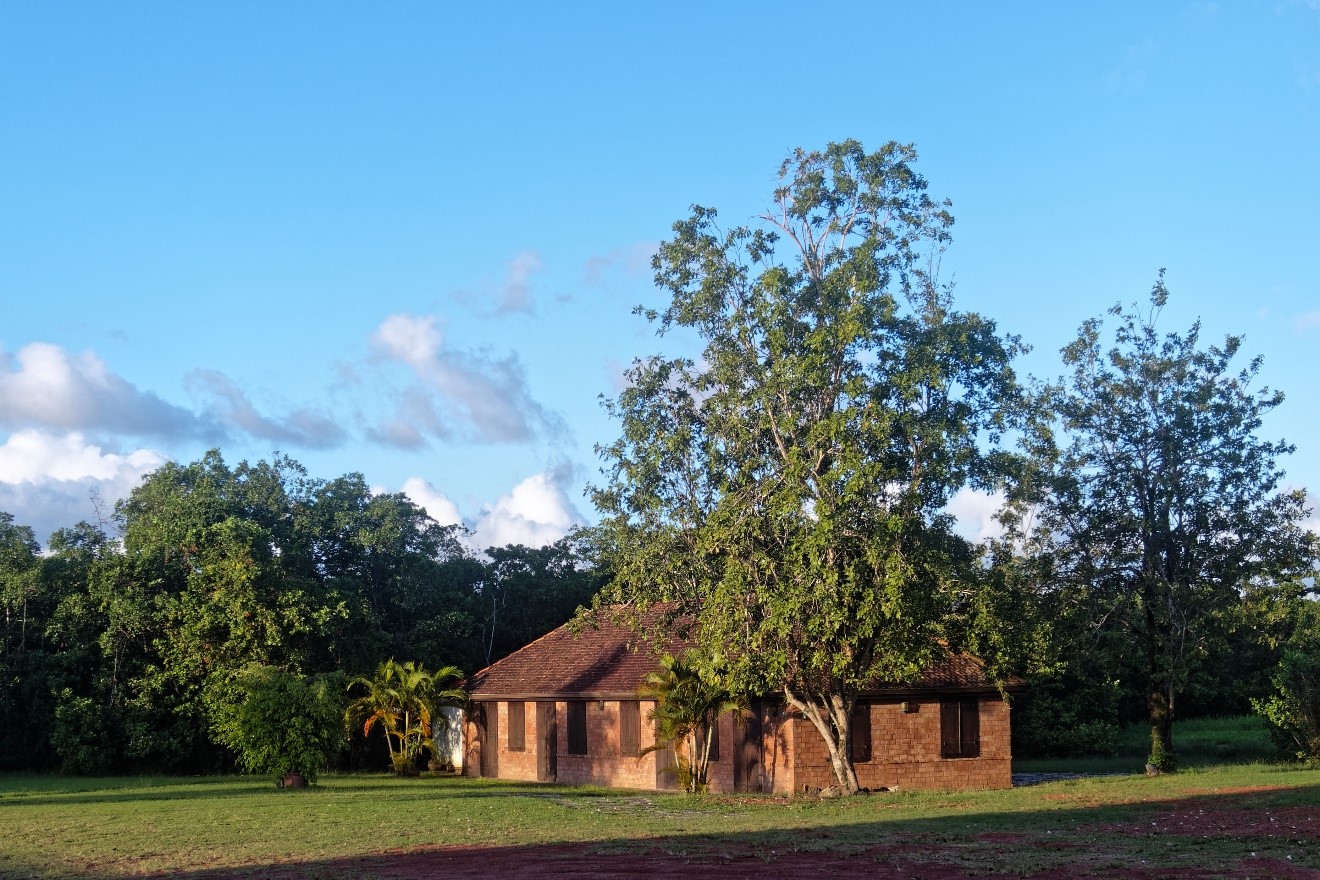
(1160, 509)
(786, 488)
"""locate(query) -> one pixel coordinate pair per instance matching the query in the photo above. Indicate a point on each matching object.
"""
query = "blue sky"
(405, 239)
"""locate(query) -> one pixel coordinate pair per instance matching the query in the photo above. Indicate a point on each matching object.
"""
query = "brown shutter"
(630, 727)
(970, 724)
(517, 726)
(577, 727)
(859, 739)
(950, 741)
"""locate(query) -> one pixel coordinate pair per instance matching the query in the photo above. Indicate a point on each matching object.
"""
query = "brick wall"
(519, 765)
(905, 751)
(603, 764)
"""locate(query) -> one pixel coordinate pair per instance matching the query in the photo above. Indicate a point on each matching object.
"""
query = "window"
(630, 727)
(960, 728)
(577, 727)
(517, 727)
(859, 739)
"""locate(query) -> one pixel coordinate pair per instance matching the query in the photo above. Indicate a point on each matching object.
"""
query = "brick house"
(565, 709)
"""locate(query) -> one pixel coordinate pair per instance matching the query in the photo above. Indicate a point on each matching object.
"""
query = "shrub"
(1293, 710)
(81, 735)
(279, 723)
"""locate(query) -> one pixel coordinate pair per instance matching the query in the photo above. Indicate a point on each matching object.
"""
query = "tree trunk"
(1162, 756)
(833, 721)
(1159, 695)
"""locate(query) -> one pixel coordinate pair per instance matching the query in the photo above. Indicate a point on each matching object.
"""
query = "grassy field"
(1200, 742)
(1260, 816)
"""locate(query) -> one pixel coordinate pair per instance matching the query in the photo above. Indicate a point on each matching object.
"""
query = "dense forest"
(118, 641)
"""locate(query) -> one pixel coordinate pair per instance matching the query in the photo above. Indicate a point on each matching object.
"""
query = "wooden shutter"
(517, 726)
(969, 718)
(577, 727)
(950, 741)
(859, 739)
(630, 728)
(960, 728)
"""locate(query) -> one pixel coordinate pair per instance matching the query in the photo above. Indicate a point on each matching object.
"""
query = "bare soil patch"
(588, 862)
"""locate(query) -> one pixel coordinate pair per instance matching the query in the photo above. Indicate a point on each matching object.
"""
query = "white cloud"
(974, 512)
(49, 481)
(516, 295)
(436, 504)
(535, 513)
(299, 427)
(43, 386)
(458, 392)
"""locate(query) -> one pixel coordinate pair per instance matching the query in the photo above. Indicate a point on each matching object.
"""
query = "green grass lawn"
(1200, 743)
(67, 827)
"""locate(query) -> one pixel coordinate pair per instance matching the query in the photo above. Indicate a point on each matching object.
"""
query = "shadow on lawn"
(212, 788)
(1256, 833)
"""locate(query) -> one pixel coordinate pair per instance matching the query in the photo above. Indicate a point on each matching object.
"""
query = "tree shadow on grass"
(85, 790)
(1257, 833)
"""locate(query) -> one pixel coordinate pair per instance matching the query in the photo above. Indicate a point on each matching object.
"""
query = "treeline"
(115, 649)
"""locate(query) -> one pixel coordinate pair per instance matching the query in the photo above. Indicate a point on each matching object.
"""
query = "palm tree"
(401, 699)
(686, 711)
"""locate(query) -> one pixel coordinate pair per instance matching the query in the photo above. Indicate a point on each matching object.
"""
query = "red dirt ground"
(587, 862)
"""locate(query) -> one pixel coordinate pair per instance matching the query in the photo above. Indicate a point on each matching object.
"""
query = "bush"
(1293, 711)
(1061, 718)
(280, 723)
(81, 735)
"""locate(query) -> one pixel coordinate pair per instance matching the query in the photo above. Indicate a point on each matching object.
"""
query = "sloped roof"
(609, 661)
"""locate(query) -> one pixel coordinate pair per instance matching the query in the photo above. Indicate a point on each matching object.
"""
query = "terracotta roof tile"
(606, 659)
(611, 660)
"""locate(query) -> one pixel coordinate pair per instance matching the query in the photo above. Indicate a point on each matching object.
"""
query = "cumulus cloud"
(229, 405)
(457, 392)
(974, 512)
(44, 386)
(535, 513)
(436, 504)
(50, 481)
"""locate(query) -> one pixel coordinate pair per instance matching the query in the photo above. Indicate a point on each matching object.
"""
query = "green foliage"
(1161, 509)
(279, 723)
(688, 707)
(401, 699)
(224, 567)
(788, 488)
(522, 590)
(1064, 718)
(82, 735)
(1293, 709)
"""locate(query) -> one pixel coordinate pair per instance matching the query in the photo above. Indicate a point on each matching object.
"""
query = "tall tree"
(1163, 509)
(787, 489)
